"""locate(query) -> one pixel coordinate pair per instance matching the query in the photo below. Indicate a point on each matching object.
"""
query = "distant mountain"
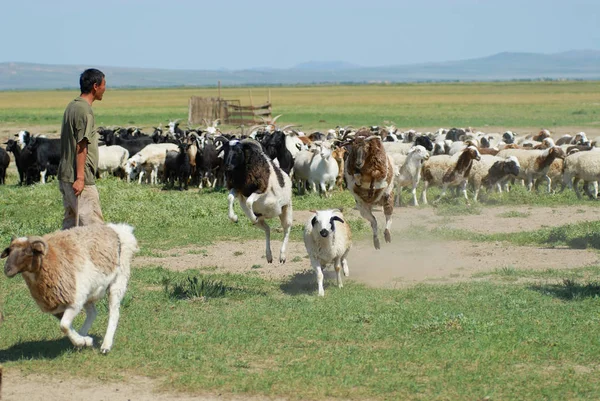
(576, 64)
(325, 65)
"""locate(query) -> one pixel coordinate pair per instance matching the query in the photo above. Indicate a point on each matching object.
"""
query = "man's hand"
(78, 186)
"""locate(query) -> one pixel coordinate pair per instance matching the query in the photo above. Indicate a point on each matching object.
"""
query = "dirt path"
(404, 262)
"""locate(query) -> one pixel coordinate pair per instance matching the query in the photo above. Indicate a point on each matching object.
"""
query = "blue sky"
(232, 34)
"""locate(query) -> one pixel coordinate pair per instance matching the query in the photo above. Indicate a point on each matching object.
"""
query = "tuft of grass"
(514, 213)
(194, 288)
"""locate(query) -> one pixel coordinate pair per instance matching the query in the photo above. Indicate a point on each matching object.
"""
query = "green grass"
(264, 338)
(162, 219)
(493, 104)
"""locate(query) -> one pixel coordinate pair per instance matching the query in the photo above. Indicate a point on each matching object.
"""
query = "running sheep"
(328, 240)
(67, 271)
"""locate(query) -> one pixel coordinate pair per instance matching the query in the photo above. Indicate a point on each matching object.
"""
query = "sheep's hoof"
(387, 235)
(376, 243)
(282, 259)
(105, 351)
(269, 259)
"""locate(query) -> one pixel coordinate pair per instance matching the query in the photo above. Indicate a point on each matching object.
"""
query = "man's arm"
(80, 157)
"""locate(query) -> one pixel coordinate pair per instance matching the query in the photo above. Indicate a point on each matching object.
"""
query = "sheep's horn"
(372, 137)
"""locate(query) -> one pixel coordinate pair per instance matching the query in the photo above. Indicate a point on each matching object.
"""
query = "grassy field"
(500, 337)
(509, 105)
(509, 334)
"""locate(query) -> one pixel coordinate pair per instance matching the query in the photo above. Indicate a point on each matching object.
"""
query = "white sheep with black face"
(328, 239)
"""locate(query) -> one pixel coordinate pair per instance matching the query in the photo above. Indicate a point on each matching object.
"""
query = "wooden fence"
(228, 111)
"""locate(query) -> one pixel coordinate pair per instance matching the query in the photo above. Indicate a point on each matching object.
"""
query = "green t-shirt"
(78, 125)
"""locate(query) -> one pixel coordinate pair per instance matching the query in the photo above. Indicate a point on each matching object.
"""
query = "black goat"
(4, 162)
(275, 147)
(47, 155)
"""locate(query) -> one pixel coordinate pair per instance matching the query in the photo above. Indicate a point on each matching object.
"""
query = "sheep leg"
(90, 316)
(463, 189)
(414, 194)
(231, 198)
(576, 187)
(424, 193)
(247, 207)
(141, 175)
(388, 210)
(319, 272)
(549, 181)
(365, 212)
(43, 176)
(337, 264)
(115, 296)
(286, 223)
(66, 326)
(323, 189)
(263, 224)
(345, 265)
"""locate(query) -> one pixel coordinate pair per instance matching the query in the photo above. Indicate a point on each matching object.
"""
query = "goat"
(4, 162)
(317, 167)
(328, 240)
(111, 159)
(370, 179)
(149, 160)
(70, 270)
(410, 172)
(262, 189)
(47, 155)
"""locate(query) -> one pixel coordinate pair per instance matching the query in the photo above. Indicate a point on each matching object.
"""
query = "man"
(79, 154)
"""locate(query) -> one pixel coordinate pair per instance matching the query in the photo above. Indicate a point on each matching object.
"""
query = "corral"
(495, 300)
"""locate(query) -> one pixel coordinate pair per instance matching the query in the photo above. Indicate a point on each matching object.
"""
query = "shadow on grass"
(569, 290)
(300, 283)
(587, 240)
(28, 350)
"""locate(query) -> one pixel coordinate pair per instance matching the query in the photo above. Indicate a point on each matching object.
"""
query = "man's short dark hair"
(88, 78)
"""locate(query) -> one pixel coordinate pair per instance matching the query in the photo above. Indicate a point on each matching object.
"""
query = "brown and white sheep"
(534, 163)
(67, 271)
(449, 171)
(370, 179)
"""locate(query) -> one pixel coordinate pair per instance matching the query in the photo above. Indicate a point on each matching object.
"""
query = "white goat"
(111, 158)
(409, 173)
(150, 160)
(316, 166)
(67, 271)
(328, 239)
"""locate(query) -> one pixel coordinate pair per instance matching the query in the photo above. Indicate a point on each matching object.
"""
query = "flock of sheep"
(68, 271)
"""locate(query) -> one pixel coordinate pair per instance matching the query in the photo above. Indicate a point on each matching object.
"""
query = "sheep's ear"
(5, 253)
(313, 221)
(38, 245)
(334, 218)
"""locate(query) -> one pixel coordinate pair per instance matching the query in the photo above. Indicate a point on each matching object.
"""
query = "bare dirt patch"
(404, 262)
(17, 386)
